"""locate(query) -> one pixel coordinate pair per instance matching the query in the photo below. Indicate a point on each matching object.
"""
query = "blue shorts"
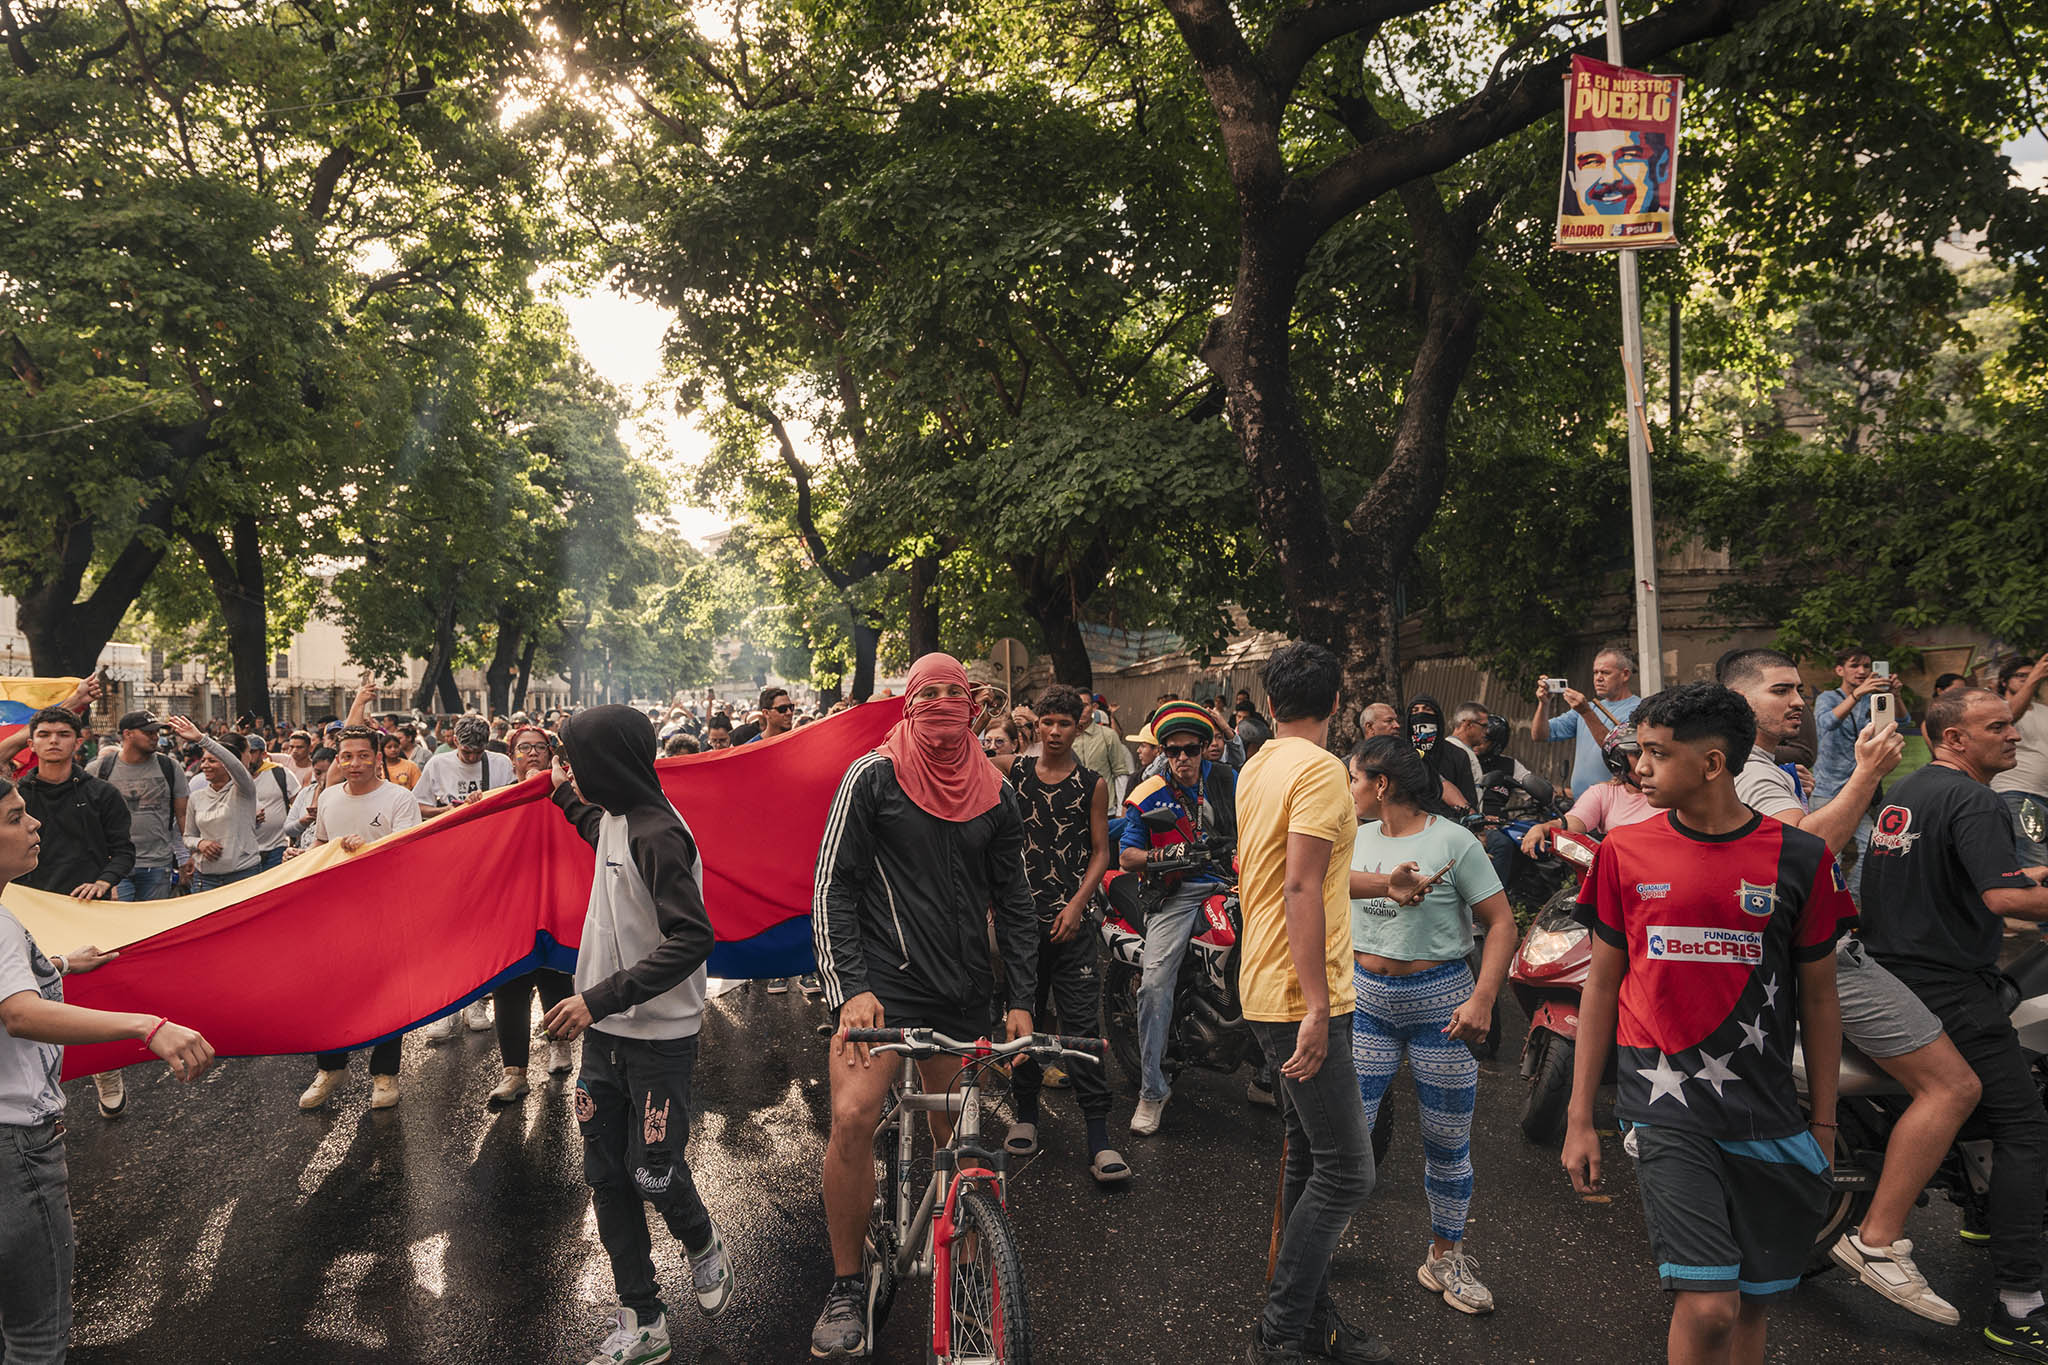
(1731, 1216)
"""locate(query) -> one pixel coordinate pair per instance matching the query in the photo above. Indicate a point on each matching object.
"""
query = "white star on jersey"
(1771, 993)
(1715, 1072)
(1753, 1035)
(1665, 1079)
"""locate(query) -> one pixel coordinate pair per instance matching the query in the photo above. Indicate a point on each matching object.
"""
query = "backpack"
(103, 767)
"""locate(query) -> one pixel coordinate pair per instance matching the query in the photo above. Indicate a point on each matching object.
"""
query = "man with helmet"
(1203, 798)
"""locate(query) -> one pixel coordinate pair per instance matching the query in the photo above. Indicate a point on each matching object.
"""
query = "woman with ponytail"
(923, 839)
(1416, 996)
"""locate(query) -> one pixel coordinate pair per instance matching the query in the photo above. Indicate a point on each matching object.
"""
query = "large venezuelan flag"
(333, 950)
(21, 698)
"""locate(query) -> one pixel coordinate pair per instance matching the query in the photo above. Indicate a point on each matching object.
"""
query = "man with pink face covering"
(923, 838)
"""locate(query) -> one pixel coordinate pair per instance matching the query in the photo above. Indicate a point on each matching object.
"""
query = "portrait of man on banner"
(1619, 187)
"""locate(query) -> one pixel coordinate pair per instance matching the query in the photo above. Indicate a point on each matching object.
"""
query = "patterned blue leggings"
(1406, 1016)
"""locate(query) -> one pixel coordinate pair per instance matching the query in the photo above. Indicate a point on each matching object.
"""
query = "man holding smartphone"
(1614, 671)
(1839, 715)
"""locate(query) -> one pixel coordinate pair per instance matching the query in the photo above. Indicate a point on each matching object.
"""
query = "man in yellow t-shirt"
(1295, 827)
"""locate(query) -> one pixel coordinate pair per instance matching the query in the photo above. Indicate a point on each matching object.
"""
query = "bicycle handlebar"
(924, 1039)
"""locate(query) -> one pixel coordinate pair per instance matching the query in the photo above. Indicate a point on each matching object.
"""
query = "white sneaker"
(440, 1031)
(477, 1014)
(711, 1276)
(325, 1083)
(1891, 1272)
(1146, 1121)
(1455, 1275)
(383, 1092)
(113, 1094)
(561, 1059)
(632, 1344)
(510, 1087)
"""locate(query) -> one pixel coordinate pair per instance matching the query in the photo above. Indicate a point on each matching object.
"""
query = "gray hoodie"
(646, 936)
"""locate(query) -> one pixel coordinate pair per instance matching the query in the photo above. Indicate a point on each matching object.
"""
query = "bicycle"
(959, 1235)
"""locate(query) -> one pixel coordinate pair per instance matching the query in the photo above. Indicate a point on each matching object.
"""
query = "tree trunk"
(922, 627)
(829, 695)
(1061, 628)
(867, 639)
(432, 679)
(451, 695)
(525, 678)
(235, 569)
(504, 659)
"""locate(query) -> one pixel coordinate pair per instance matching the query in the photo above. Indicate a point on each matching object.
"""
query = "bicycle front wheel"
(988, 1322)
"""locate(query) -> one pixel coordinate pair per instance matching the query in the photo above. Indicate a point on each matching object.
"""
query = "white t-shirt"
(2029, 772)
(1765, 787)
(275, 801)
(29, 1093)
(448, 781)
(387, 809)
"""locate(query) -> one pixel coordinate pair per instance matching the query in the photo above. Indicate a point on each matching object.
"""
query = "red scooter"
(1549, 974)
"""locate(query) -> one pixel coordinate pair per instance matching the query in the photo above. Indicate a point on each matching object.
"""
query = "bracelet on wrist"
(1821, 1123)
(150, 1036)
(62, 963)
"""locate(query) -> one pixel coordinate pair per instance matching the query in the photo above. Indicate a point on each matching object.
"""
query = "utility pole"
(1649, 635)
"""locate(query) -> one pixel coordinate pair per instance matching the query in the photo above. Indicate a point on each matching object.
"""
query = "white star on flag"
(1715, 1072)
(1665, 1079)
(1753, 1035)
(1771, 993)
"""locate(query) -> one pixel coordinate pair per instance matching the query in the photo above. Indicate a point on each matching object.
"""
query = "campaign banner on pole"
(1620, 182)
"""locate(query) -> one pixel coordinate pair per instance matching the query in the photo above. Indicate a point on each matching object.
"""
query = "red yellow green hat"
(1175, 716)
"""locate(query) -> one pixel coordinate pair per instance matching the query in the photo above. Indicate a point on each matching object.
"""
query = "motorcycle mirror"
(1158, 819)
(1537, 786)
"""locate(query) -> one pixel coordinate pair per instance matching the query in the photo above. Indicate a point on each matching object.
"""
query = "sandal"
(1023, 1140)
(1109, 1167)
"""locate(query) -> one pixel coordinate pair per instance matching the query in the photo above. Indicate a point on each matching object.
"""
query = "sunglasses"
(1185, 750)
(785, 707)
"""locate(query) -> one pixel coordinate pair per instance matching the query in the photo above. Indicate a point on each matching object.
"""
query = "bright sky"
(620, 335)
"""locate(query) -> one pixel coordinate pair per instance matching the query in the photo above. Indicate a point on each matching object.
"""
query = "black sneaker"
(2025, 1337)
(1331, 1338)
(1259, 1353)
(842, 1330)
(1975, 1230)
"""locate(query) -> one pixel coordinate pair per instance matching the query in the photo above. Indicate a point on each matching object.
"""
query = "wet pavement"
(218, 1223)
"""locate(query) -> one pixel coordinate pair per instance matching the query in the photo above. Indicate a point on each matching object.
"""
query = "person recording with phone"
(1588, 719)
(1416, 996)
(1839, 715)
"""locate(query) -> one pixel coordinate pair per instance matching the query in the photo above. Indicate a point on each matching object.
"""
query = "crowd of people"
(954, 888)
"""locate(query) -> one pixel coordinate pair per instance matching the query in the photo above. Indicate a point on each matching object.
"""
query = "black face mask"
(1422, 734)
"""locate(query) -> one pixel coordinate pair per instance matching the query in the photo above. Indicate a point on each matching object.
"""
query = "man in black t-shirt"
(1943, 871)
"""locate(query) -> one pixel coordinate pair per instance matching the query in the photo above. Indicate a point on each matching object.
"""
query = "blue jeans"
(36, 1246)
(269, 858)
(207, 881)
(1329, 1174)
(2032, 852)
(147, 884)
(1168, 931)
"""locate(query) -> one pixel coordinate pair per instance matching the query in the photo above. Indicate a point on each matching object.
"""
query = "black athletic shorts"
(1731, 1216)
(956, 1023)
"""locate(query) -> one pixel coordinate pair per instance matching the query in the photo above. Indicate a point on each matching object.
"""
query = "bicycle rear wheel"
(990, 1323)
(879, 1247)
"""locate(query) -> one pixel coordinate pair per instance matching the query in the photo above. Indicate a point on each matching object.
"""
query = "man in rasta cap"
(1203, 798)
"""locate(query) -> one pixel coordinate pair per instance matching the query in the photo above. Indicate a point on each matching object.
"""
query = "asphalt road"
(218, 1223)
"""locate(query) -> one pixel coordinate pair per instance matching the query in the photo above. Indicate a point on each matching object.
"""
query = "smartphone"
(1881, 668)
(1440, 872)
(1883, 708)
(1557, 686)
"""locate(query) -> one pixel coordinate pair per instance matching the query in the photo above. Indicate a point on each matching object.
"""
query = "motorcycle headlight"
(1545, 946)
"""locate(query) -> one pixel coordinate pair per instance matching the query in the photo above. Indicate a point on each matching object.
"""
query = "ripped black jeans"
(633, 1105)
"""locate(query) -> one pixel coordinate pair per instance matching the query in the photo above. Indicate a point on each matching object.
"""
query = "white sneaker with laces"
(383, 1092)
(1891, 1272)
(561, 1058)
(712, 1277)
(1146, 1121)
(441, 1030)
(1455, 1275)
(113, 1093)
(631, 1344)
(477, 1014)
(510, 1087)
(325, 1083)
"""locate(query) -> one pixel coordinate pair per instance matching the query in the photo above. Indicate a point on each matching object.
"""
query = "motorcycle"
(1869, 1102)
(1208, 1028)
(1548, 976)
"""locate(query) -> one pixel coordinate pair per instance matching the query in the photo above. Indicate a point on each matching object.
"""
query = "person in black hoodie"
(86, 845)
(1427, 733)
(640, 996)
